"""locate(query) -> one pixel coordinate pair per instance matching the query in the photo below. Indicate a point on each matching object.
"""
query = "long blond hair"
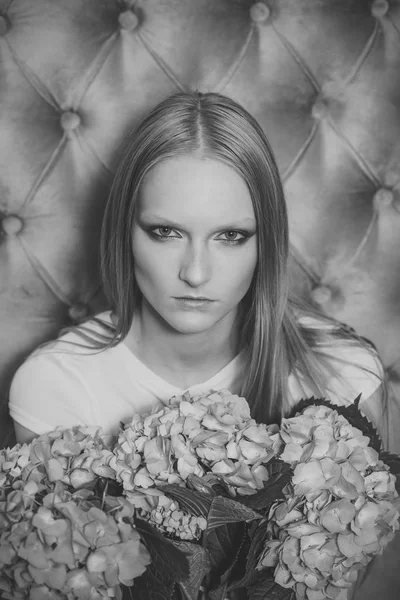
(272, 340)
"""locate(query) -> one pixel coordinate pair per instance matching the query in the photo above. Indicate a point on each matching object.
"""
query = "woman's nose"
(195, 267)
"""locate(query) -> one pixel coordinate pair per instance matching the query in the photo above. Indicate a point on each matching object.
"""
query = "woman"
(194, 264)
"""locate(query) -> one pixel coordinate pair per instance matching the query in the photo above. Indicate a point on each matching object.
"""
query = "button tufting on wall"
(5, 25)
(128, 20)
(383, 197)
(321, 294)
(70, 120)
(391, 178)
(11, 224)
(259, 12)
(379, 8)
(320, 108)
(78, 312)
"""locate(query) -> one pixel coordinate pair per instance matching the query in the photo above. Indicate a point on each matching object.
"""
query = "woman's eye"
(232, 236)
(163, 232)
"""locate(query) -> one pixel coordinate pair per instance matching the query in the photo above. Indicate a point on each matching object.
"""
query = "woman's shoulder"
(352, 357)
(86, 338)
(60, 361)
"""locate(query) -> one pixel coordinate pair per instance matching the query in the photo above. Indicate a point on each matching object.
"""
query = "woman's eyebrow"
(157, 219)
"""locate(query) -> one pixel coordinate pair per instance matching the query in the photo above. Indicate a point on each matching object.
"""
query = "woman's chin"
(191, 324)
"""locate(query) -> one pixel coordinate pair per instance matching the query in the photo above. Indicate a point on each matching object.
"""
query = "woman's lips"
(191, 302)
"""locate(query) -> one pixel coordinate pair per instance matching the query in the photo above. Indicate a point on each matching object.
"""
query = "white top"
(62, 384)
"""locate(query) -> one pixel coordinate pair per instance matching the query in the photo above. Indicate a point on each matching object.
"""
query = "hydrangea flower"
(339, 512)
(76, 456)
(211, 433)
(57, 540)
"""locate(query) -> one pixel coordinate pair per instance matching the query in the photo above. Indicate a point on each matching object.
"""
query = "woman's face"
(194, 243)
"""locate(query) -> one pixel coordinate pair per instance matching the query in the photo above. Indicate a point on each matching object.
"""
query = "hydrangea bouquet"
(62, 535)
(197, 500)
(339, 510)
(295, 511)
(186, 469)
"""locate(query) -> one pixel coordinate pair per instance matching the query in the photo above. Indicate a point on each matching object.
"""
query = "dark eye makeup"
(232, 237)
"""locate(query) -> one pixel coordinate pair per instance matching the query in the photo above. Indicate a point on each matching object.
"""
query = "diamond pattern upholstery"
(320, 76)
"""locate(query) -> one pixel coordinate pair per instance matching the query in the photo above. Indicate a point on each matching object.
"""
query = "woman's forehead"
(188, 185)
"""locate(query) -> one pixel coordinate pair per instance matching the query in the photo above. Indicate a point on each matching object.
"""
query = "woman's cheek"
(153, 260)
(237, 268)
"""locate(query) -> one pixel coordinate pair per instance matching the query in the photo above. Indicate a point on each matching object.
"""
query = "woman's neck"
(182, 359)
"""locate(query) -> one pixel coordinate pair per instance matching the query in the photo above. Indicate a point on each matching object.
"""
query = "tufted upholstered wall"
(322, 77)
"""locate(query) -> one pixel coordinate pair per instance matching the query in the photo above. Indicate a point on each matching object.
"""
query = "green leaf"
(238, 564)
(168, 565)
(145, 589)
(238, 595)
(257, 534)
(199, 567)
(218, 594)
(127, 592)
(202, 484)
(352, 413)
(163, 552)
(266, 587)
(104, 485)
(226, 510)
(393, 462)
(194, 502)
(280, 475)
(210, 484)
(223, 544)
